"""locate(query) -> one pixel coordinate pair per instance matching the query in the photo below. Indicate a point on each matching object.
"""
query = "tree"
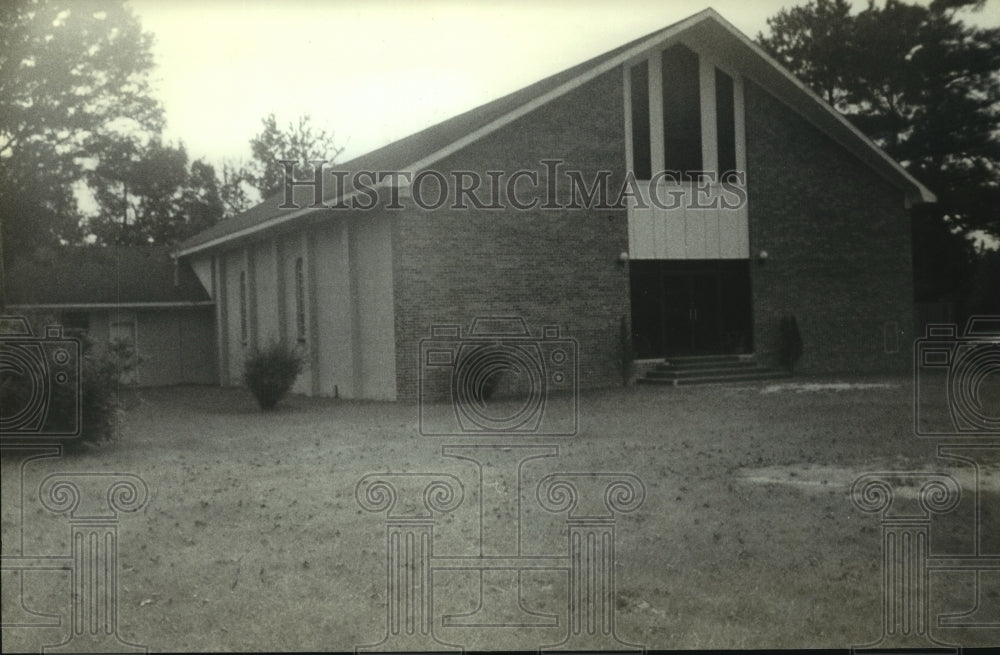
(147, 193)
(926, 88)
(236, 188)
(814, 42)
(918, 81)
(71, 73)
(300, 141)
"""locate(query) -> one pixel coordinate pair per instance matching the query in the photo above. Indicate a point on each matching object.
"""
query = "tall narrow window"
(300, 301)
(681, 110)
(244, 336)
(639, 84)
(725, 121)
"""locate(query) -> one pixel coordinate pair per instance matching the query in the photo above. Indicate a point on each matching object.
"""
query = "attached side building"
(137, 294)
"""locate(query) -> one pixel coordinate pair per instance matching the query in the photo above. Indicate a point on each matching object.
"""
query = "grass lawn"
(253, 540)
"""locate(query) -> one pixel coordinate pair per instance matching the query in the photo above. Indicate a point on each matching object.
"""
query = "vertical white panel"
(279, 286)
(740, 123)
(694, 233)
(739, 104)
(709, 127)
(376, 366)
(676, 241)
(656, 227)
(743, 233)
(249, 265)
(686, 233)
(735, 240)
(657, 156)
(333, 309)
(221, 317)
(627, 85)
(729, 226)
(233, 266)
(312, 306)
(648, 222)
(292, 248)
(710, 218)
(633, 238)
(636, 227)
(265, 293)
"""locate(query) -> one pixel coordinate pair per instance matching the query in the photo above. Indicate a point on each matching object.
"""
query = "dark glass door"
(692, 307)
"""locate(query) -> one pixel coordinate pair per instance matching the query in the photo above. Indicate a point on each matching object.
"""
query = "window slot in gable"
(725, 120)
(681, 109)
(642, 166)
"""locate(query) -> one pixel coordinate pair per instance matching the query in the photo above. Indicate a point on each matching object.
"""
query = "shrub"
(790, 349)
(102, 374)
(97, 390)
(271, 372)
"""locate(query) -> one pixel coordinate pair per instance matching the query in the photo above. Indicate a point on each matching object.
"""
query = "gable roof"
(707, 29)
(92, 276)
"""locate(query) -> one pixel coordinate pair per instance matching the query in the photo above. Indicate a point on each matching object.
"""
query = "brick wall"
(838, 240)
(837, 236)
(551, 267)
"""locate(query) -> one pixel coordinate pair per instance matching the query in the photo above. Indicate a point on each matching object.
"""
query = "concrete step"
(721, 371)
(750, 376)
(708, 369)
(698, 359)
(709, 365)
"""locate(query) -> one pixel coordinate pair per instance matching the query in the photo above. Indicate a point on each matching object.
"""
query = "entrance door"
(692, 311)
(690, 307)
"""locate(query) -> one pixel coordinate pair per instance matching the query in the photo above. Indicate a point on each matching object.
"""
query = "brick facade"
(838, 240)
(836, 231)
(551, 267)
(837, 237)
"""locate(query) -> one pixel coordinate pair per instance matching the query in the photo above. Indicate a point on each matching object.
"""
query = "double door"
(691, 307)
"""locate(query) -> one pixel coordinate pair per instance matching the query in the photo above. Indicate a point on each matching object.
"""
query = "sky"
(373, 72)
